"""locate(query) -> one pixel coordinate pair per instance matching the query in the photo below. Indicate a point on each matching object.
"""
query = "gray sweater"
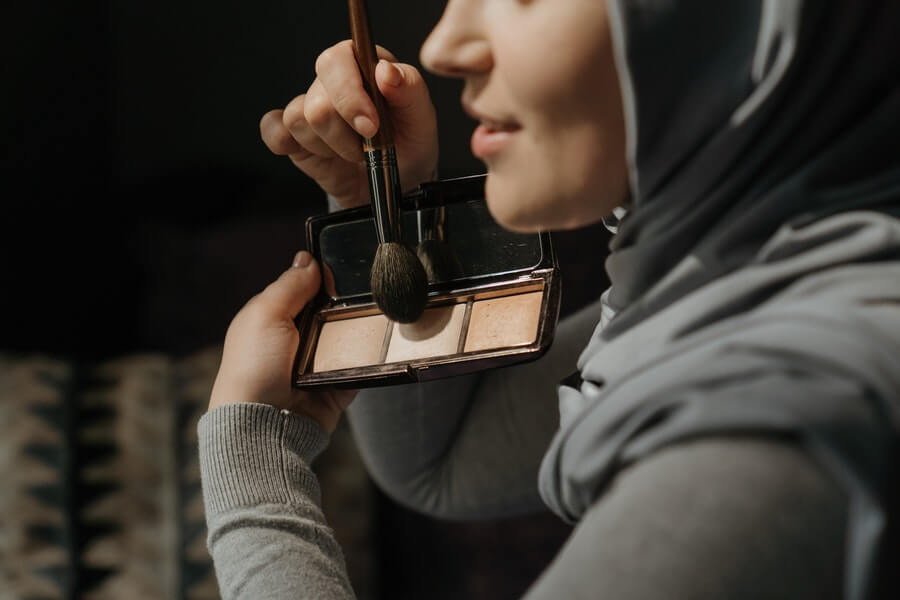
(736, 518)
(267, 533)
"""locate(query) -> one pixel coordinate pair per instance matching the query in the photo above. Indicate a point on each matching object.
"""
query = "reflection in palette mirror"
(464, 234)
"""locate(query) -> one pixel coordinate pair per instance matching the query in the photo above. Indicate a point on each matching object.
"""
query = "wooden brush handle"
(366, 59)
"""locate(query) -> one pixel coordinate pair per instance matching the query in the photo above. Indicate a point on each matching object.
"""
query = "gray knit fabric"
(715, 518)
(801, 344)
(267, 534)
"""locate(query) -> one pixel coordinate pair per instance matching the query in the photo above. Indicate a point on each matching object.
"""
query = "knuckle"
(346, 104)
(293, 112)
(274, 135)
(317, 110)
(325, 60)
(266, 126)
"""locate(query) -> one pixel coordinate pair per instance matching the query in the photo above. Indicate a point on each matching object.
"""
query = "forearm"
(267, 534)
(469, 447)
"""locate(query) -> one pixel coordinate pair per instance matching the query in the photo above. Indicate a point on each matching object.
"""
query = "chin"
(523, 210)
(512, 208)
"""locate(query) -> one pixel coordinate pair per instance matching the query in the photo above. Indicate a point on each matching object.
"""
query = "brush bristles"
(439, 260)
(399, 283)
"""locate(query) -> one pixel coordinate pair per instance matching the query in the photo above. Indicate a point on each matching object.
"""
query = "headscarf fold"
(743, 116)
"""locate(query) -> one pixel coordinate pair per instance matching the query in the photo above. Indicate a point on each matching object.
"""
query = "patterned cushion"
(100, 484)
(101, 487)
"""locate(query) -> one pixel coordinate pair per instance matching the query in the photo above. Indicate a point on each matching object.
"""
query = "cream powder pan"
(478, 325)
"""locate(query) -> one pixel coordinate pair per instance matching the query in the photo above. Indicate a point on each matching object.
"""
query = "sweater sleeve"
(267, 534)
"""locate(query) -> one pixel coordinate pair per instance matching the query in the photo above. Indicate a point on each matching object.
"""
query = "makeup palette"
(493, 295)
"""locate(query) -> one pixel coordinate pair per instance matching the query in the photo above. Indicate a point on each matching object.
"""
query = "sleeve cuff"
(253, 454)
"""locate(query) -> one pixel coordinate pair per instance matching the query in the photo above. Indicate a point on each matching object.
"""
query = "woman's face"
(540, 77)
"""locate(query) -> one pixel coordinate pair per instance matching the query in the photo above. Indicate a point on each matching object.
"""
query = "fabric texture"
(756, 275)
(684, 505)
(815, 362)
(101, 484)
(737, 517)
(267, 533)
(769, 112)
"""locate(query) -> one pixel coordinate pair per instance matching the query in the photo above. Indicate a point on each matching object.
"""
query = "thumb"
(286, 296)
(405, 92)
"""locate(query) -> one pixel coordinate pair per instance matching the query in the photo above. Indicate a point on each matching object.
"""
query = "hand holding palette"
(493, 295)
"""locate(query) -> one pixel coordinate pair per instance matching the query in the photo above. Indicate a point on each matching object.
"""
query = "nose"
(458, 44)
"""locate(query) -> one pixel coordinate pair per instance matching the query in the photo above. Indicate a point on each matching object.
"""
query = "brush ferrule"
(384, 190)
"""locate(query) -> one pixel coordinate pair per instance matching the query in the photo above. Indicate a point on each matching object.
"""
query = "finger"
(347, 182)
(337, 69)
(402, 85)
(406, 93)
(276, 136)
(285, 297)
(294, 120)
(326, 124)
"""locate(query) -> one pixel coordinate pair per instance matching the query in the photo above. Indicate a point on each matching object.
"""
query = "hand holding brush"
(398, 281)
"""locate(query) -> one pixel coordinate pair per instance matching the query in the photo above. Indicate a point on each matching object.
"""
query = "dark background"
(141, 209)
(133, 170)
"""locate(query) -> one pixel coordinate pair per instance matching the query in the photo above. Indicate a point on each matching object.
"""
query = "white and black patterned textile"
(101, 488)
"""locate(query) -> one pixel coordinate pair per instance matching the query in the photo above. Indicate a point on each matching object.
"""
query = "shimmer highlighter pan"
(493, 295)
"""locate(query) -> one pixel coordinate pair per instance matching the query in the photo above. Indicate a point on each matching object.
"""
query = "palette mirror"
(480, 247)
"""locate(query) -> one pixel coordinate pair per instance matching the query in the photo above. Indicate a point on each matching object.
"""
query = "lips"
(498, 126)
(487, 142)
(492, 134)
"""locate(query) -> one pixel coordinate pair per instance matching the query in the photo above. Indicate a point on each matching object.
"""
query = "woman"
(729, 432)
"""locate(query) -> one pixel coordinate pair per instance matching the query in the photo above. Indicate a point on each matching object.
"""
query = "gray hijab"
(742, 116)
(756, 276)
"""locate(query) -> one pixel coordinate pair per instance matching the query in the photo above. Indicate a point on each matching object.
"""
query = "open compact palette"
(493, 295)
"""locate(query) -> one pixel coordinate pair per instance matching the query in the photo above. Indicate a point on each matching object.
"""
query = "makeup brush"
(398, 280)
(435, 254)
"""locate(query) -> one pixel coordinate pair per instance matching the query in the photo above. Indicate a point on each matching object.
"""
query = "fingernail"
(394, 76)
(364, 126)
(302, 260)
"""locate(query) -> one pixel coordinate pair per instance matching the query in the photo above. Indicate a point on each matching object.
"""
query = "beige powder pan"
(504, 322)
(350, 343)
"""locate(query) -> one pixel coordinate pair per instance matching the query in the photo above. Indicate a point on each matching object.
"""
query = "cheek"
(569, 168)
(554, 182)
